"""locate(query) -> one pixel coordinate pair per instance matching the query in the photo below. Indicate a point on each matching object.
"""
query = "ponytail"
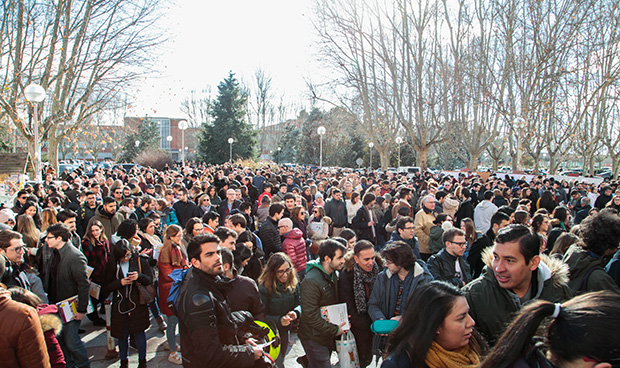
(509, 347)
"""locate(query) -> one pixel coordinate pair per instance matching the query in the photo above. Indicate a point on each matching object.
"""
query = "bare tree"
(84, 53)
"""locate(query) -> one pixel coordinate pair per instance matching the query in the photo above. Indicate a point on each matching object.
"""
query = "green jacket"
(580, 262)
(279, 303)
(318, 289)
(493, 307)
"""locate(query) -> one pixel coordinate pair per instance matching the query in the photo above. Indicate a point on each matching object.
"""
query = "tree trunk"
(514, 161)
(423, 157)
(552, 164)
(52, 148)
(385, 160)
(473, 161)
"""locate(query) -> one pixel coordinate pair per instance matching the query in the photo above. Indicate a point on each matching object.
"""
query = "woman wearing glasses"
(279, 292)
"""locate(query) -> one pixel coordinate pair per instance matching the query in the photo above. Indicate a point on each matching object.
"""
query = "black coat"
(466, 209)
(126, 307)
(475, 252)
(360, 225)
(185, 211)
(222, 209)
(270, 237)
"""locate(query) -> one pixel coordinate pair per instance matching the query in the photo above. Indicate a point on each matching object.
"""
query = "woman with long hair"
(279, 292)
(471, 235)
(172, 256)
(48, 217)
(215, 199)
(128, 206)
(125, 269)
(24, 224)
(96, 249)
(562, 244)
(439, 337)
(540, 226)
(583, 333)
(31, 209)
(353, 205)
(298, 216)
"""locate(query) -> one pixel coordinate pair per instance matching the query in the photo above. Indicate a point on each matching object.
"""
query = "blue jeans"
(72, 346)
(171, 332)
(284, 337)
(123, 344)
(318, 355)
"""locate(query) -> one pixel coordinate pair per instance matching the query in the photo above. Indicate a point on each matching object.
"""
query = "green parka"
(493, 307)
(318, 289)
(580, 262)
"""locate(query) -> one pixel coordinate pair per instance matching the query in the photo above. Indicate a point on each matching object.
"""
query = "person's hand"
(79, 316)
(258, 353)
(292, 315)
(132, 276)
(285, 320)
(370, 223)
(251, 341)
(396, 318)
(125, 281)
(340, 330)
(147, 251)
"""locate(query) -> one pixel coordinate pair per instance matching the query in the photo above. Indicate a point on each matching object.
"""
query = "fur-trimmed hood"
(549, 267)
(48, 318)
(349, 261)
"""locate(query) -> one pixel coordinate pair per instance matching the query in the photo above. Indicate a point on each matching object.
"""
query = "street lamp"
(35, 93)
(520, 124)
(278, 159)
(183, 126)
(137, 144)
(399, 140)
(371, 145)
(230, 141)
(169, 139)
(321, 132)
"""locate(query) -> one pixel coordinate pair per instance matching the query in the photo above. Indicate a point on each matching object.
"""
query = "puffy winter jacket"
(294, 246)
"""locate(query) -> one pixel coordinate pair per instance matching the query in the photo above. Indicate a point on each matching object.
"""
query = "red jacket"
(170, 259)
(294, 246)
(51, 326)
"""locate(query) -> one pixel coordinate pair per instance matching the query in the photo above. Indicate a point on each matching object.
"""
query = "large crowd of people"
(463, 269)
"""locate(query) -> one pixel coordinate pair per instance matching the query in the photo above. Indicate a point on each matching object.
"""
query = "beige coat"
(422, 228)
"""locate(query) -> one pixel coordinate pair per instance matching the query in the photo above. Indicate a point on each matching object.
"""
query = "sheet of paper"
(336, 314)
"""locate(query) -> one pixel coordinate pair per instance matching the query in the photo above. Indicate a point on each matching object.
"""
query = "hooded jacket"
(493, 307)
(294, 246)
(318, 289)
(51, 326)
(383, 297)
(110, 221)
(580, 262)
(482, 215)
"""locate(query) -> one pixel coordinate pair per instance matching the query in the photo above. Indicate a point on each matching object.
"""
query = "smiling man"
(207, 326)
(515, 274)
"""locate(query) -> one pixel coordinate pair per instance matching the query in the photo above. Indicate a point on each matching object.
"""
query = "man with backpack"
(207, 326)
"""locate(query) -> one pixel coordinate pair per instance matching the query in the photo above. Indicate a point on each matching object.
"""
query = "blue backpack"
(177, 277)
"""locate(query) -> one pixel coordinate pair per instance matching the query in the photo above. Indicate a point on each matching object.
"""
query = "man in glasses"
(12, 249)
(448, 265)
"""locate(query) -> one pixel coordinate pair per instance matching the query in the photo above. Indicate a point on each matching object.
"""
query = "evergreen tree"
(148, 136)
(308, 153)
(229, 113)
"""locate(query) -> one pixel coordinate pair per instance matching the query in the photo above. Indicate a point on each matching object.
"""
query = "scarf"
(438, 357)
(361, 279)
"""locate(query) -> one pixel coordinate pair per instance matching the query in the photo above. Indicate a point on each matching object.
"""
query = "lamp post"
(371, 145)
(399, 140)
(520, 124)
(230, 141)
(35, 94)
(321, 132)
(278, 160)
(137, 144)
(183, 126)
(169, 139)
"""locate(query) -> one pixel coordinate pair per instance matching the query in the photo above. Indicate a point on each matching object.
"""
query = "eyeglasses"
(408, 228)
(459, 244)
(20, 249)
(50, 237)
(23, 197)
(282, 272)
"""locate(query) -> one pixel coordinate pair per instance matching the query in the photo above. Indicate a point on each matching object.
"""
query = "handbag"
(347, 351)
(313, 248)
(147, 293)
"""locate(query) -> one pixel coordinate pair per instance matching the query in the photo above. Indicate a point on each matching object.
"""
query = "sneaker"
(161, 323)
(167, 346)
(175, 358)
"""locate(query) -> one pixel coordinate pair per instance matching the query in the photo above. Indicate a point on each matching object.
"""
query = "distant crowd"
(435, 270)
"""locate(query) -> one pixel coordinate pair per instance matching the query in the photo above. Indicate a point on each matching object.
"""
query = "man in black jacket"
(354, 288)
(448, 265)
(86, 212)
(184, 208)
(268, 232)
(226, 207)
(336, 209)
(207, 326)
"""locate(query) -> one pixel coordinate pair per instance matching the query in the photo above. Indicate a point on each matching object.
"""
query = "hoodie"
(482, 215)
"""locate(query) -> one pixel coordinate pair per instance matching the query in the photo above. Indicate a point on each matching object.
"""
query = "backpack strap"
(583, 285)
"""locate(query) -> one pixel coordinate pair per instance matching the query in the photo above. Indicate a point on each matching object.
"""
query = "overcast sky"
(209, 38)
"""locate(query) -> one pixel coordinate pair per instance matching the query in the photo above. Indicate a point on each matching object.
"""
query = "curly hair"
(601, 232)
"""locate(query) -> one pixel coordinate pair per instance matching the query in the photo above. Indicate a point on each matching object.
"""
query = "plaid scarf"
(361, 281)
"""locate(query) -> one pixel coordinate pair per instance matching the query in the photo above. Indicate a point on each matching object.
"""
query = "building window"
(164, 132)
